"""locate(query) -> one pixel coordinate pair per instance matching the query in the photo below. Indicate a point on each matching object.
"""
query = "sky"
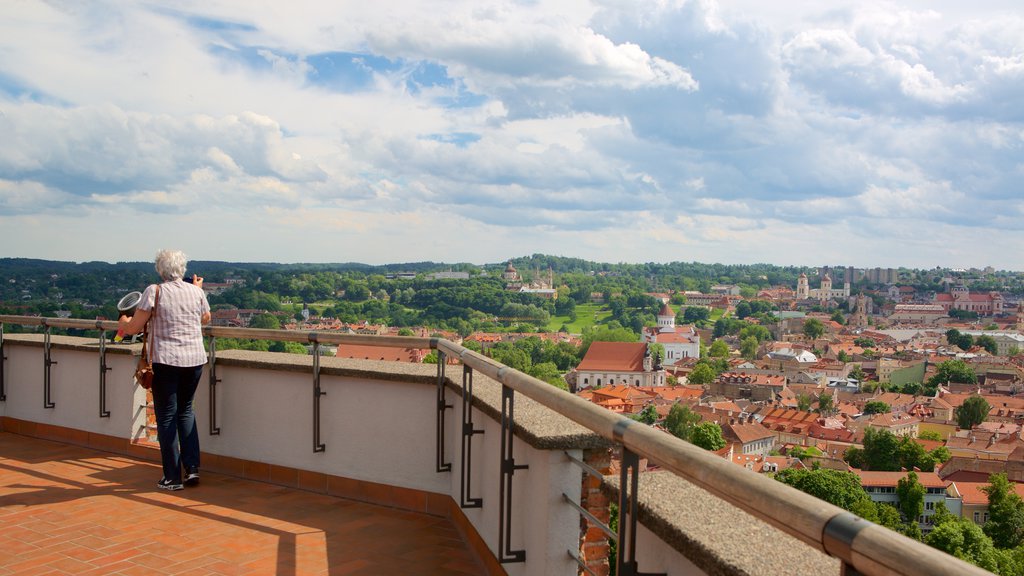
(855, 133)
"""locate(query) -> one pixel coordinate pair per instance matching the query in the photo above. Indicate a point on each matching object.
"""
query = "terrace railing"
(861, 546)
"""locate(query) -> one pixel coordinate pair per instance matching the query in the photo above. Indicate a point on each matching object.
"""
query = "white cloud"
(610, 130)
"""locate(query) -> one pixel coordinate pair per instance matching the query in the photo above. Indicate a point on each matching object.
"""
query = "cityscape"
(893, 393)
(745, 273)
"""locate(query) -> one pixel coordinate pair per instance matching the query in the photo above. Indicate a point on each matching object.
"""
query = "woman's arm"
(129, 325)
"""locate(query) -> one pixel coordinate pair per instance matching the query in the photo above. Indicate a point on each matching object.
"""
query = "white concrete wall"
(542, 523)
(74, 390)
(377, 431)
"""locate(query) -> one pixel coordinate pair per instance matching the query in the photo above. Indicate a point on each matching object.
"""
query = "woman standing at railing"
(178, 355)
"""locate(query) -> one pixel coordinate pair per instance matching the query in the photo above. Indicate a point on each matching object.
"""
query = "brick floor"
(71, 510)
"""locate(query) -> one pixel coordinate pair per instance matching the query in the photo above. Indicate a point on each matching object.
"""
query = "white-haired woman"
(178, 355)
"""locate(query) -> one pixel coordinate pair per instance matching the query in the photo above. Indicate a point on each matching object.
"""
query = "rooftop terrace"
(365, 467)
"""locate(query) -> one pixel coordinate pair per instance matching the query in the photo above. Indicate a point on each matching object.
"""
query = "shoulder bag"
(144, 369)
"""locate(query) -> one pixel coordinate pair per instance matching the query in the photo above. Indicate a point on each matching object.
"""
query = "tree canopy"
(972, 412)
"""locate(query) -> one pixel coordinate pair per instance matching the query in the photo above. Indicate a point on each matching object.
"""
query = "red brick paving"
(71, 510)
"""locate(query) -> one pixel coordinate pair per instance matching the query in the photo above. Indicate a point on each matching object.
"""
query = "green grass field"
(586, 315)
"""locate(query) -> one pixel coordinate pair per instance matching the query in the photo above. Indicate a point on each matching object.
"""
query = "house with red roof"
(612, 363)
(751, 437)
(975, 500)
(757, 387)
(881, 487)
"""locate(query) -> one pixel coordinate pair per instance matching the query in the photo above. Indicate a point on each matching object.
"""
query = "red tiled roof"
(389, 353)
(877, 478)
(614, 357)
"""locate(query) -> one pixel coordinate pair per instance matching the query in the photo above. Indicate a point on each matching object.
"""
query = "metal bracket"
(468, 432)
(839, 535)
(628, 508)
(104, 413)
(318, 446)
(3, 390)
(214, 429)
(508, 468)
(442, 466)
(47, 362)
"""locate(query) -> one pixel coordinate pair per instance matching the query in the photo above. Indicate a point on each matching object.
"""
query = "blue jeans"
(173, 389)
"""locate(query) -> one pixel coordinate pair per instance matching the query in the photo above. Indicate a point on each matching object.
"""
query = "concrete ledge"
(716, 536)
(536, 425)
(71, 343)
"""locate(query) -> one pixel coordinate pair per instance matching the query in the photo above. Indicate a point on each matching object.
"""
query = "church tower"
(826, 287)
(803, 291)
(666, 319)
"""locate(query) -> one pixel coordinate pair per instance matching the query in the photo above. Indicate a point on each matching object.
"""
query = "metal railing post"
(104, 413)
(214, 429)
(508, 468)
(442, 405)
(47, 362)
(318, 446)
(465, 500)
(3, 389)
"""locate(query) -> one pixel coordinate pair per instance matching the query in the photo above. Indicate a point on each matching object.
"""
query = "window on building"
(977, 517)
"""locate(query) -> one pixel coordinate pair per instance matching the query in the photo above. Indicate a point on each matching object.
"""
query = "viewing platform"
(326, 465)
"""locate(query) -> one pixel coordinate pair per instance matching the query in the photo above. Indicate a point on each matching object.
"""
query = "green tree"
(681, 420)
(953, 371)
(1005, 513)
(649, 415)
(826, 404)
(749, 347)
(813, 328)
(837, 487)
(708, 435)
(877, 407)
(757, 331)
(268, 321)
(929, 435)
(857, 373)
(838, 317)
(719, 349)
(803, 402)
(702, 374)
(911, 494)
(965, 540)
(548, 372)
(988, 343)
(972, 412)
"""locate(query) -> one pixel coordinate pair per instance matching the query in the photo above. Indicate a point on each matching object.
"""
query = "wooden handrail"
(867, 547)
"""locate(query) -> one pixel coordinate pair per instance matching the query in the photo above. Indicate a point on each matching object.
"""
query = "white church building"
(679, 341)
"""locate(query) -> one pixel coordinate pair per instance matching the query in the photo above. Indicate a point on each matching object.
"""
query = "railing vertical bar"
(318, 446)
(214, 429)
(465, 500)
(104, 413)
(47, 362)
(3, 389)
(442, 360)
(508, 468)
(628, 508)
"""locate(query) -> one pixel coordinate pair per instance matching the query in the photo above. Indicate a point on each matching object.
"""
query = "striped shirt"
(176, 331)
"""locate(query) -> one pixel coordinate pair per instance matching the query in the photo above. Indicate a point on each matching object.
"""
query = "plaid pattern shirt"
(176, 331)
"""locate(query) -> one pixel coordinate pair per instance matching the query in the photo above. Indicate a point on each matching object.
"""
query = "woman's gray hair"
(170, 264)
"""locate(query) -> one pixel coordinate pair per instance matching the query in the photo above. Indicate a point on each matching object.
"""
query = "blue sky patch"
(460, 139)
